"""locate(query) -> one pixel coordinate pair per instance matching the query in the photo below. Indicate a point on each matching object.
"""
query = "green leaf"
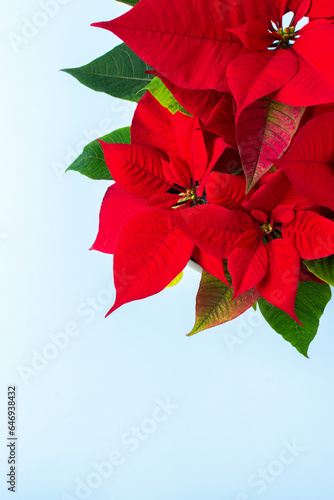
(129, 2)
(164, 96)
(322, 268)
(119, 73)
(91, 162)
(311, 301)
(215, 304)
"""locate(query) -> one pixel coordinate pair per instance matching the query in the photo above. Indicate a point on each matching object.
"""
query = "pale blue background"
(241, 391)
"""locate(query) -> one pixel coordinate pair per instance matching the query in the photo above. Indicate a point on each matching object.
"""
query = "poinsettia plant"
(229, 160)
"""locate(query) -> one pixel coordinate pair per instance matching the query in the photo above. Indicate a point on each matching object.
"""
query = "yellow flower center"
(287, 34)
(267, 228)
(184, 197)
(190, 194)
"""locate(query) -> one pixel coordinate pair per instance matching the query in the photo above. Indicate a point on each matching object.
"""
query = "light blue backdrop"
(126, 408)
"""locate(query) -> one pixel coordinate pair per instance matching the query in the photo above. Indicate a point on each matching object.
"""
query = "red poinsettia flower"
(197, 44)
(169, 158)
(294, 63)
(264, 236)
(165, 168)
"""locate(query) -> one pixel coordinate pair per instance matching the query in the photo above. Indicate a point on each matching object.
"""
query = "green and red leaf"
(264, 132)
(215, 303)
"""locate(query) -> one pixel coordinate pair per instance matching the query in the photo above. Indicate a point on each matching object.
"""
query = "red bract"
(187, 41)
(234, 42)
(263, 238)
(317, 9)
(244, 51)
(257, 74)
(118, 207)
(298, 67)
(166, 166)
(150, 252)
(309, 163)
(172, 155)
(213, 109)
(314, 81)
(230, 164)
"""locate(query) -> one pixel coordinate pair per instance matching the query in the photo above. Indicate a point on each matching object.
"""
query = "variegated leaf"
(264, 132)
(215, 304)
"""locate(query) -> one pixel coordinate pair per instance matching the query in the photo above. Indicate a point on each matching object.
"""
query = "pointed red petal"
(276, 10)
(186, 41)
(315, 47)
(191, 145)
(319, 8)
(216, 147)
(212, 228)
(279, 287)
(214, 109)
(118, 207)
(311, 234)
(293, 197)
(221, 120)
(248, 265)
(248, 237)
(283, 213)
(177, 172)
(256, 75)
(136, 169)
(150, 252)
(255, 36)
(262, 217)
(154, 125)
(269, 194)
(302, 10)
(163, 200)
(309, 163)
(314, 81)
(226, 190)
(211, 265)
